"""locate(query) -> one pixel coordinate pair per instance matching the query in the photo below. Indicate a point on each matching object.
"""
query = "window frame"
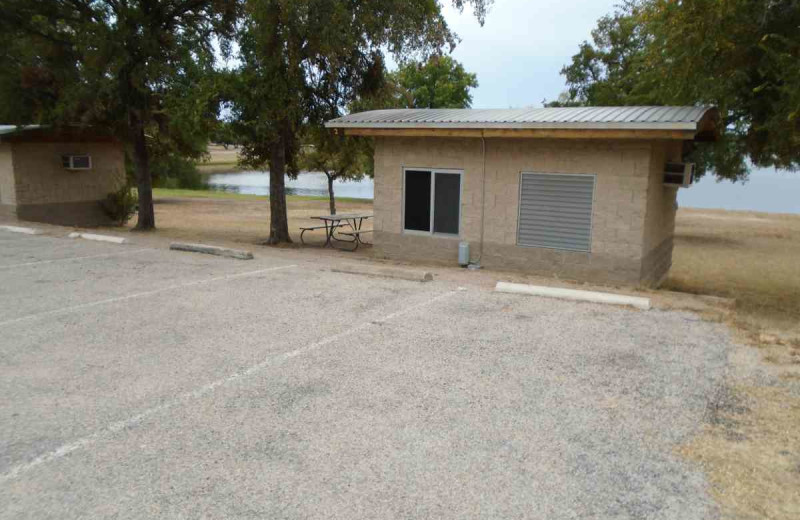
(71, 157)
(433, 172)
(591, 215)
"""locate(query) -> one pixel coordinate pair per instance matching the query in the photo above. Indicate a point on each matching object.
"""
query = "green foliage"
(121, 205)
(608, 71)
(440, 82)
(224, 134)
(175, 171)
(739, 55)
(334, 155)
(338, 157)
(133, 68)
(304, 61)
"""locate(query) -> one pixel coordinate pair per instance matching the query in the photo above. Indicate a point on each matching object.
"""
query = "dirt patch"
(241, 221)
(750, 451)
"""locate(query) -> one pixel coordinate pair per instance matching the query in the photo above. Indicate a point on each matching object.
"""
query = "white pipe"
(483, 195)
(572, 294)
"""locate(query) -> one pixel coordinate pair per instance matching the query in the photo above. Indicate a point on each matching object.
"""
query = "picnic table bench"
(310, 228)
(333, 222)
(356, 234)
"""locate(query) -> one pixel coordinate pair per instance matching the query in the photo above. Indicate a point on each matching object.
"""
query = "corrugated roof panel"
(637, 117)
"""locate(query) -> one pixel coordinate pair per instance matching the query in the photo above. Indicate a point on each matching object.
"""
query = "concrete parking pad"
(157, 384)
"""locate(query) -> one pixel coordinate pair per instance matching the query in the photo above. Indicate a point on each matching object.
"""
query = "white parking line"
(82, 306)
(72, 258)
(118, 426)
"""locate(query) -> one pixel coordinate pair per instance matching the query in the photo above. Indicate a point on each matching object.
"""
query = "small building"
(583, 193)
(58, 177)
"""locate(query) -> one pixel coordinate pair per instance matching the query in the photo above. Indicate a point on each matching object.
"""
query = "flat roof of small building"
(676, 121)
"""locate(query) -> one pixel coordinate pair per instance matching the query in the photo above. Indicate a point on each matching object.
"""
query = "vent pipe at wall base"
(463, 254)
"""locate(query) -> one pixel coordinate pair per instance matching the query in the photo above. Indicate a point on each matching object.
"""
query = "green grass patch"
(209, 194)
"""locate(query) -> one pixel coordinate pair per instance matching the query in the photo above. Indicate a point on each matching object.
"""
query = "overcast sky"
(521, 48)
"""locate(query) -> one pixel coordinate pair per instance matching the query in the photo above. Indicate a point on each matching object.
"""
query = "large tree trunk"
(278, 219)
(331, 199)
(144, 181)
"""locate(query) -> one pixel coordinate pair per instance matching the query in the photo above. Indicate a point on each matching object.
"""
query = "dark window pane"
(80, 161)
(418, 200)
(447, 202)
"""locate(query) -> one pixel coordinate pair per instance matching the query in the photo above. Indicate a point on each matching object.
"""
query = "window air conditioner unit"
(76, 162)
(680, 175)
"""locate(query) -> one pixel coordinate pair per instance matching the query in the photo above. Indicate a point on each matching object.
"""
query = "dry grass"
(752, 257)
(229, 217)
(750, 450)
(219, 160)
(750, 453)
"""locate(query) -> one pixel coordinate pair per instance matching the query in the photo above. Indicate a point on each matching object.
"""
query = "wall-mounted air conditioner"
(76, 162)
(680, 175)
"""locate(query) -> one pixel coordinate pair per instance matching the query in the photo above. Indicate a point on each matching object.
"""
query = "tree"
(304, 61)
(607, 72)
(127, 67)
(224, 134)
(338, 157)
(741, 56)
(440, 82)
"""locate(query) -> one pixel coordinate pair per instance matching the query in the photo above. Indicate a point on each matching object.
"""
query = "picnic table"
(331, 223)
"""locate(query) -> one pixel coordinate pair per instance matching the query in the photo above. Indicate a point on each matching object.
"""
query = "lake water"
(307, 183)
(765, 190)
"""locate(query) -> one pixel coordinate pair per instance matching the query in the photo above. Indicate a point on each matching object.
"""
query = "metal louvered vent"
(555, 211)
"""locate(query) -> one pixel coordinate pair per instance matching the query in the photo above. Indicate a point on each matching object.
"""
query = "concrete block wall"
(44, 191)
(623, 170)
(41, 179)
(659, 223)
(8, 194)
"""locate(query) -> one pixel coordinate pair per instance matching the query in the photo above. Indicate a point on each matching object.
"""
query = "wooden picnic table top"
(344, 216)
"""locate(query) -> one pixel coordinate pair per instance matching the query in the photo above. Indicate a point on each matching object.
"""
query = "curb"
(18, 229)
(572, 294)
(388, 272)
(212, 250)
(98, 238)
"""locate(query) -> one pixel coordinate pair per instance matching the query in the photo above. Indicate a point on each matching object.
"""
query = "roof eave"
(522, 133)
(516, 126)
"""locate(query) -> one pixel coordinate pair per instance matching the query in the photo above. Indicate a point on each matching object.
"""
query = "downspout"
(477, 265)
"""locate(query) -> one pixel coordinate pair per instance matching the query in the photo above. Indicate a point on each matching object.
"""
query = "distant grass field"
(220, 160)
(752, 257)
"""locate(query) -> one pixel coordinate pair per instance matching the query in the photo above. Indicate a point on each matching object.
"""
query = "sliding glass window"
(432, 201)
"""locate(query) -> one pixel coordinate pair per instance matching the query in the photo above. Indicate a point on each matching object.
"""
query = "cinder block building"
(58, 177)
(578, 193)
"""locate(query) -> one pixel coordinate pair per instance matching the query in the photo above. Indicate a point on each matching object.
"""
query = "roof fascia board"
(510, 126)
(540, 133)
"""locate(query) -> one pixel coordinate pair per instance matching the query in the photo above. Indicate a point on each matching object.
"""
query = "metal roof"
(627, 118)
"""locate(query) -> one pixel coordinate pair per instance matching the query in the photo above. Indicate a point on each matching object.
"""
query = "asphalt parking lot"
(138, 382)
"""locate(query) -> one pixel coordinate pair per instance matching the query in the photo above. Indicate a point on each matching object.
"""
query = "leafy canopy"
(126, 66)
(305, 61)
(739, 55)
(440, 82)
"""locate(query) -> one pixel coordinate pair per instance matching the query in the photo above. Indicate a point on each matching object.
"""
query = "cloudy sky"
(521, 48)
